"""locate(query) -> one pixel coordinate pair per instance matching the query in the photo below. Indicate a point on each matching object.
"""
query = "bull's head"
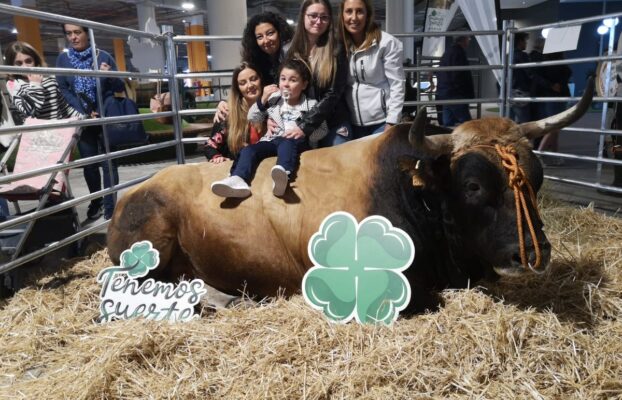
(490, 169)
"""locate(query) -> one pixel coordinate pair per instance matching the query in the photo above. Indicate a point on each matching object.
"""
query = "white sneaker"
(279, 180)
(233, 186)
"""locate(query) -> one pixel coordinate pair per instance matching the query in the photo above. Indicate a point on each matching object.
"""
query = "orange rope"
(517, 180)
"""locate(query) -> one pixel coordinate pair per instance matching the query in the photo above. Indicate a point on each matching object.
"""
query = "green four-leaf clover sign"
(139, 259)
(358, 269)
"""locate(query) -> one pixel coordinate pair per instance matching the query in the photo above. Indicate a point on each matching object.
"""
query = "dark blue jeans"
(362, 131)
(91, 144)
(454, 114)
(333, 138)
(285, 150)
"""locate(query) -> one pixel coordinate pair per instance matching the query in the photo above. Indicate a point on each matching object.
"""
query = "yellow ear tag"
(412, 167)
(417, 181)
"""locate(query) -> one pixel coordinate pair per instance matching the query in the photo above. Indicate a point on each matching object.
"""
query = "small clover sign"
(358, 268)
(139, 259)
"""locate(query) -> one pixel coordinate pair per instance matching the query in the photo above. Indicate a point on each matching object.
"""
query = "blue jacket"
(66, 82)
(454, 84)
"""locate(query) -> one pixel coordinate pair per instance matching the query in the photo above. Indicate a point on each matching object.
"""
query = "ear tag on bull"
(124, 297)
(357, 270)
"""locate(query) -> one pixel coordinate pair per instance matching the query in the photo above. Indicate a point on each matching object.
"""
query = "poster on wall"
(439, 15)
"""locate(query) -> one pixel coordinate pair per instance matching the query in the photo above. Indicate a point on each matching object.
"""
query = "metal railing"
(602, 130)
(17, 258)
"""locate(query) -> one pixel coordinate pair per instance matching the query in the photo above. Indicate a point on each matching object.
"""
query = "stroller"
(36, 149)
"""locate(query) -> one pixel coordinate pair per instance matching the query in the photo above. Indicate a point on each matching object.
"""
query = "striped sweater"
(42, 101)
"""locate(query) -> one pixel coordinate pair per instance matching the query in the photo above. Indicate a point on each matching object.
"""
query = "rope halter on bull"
(518, 182)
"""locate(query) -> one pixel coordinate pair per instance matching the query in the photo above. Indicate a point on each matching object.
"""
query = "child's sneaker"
(279, 180)
(233, 186)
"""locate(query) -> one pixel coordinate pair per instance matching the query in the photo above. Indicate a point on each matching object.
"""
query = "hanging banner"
(565, 38)
(481, 16)
(439, 15)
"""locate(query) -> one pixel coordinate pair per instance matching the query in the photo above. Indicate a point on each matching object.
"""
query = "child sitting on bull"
(285, 105)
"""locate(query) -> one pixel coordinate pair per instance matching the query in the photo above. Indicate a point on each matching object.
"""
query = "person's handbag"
(123, 133)
(161, 102)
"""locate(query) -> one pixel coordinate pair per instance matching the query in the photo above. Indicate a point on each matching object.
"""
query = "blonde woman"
(314, 41)
(229, 137)
(375, 91)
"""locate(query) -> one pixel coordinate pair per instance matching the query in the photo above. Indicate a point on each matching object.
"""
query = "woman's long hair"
(237, 122)
(22, 47)
(372, 30)
(321, 59)
(251, 52)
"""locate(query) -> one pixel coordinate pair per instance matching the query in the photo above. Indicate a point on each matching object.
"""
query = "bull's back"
(261, 240)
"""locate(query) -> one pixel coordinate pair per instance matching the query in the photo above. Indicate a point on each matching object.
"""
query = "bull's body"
(261, 240)
(462, 220)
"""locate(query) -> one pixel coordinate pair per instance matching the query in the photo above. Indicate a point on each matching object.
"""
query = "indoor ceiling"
(168, 12)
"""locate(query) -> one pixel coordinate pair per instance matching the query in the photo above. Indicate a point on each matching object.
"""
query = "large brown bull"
(449, 192)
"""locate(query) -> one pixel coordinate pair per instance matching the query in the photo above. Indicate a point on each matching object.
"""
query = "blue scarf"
(84, 84)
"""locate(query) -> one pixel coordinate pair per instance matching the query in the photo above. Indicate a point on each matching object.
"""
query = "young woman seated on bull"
(285, 105)
(229, 136)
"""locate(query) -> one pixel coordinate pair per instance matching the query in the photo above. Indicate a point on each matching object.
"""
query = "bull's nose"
(545, 255)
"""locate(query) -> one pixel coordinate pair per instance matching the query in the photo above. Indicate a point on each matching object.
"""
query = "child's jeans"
(286, 150)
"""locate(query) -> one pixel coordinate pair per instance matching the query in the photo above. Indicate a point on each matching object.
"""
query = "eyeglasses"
(322, 17)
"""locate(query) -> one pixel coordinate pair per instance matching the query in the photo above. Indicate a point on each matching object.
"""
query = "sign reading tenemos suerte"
(124, 297)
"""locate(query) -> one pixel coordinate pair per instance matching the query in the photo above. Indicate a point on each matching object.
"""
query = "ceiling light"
(187, 5)
(602, 30)
(609, 22)
(14, 31)
(290, 21)
(545, 32)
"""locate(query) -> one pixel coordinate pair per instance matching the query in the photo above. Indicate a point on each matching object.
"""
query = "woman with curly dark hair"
(262, 44)
(263, 40)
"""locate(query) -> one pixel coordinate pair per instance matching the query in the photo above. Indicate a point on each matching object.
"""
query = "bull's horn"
(428, 146)
(536, 129)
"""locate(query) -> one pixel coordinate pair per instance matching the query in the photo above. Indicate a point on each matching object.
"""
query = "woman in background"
(81, 93)
(34, 95)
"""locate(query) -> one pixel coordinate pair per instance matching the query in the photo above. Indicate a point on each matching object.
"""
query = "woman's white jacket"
(375, 90)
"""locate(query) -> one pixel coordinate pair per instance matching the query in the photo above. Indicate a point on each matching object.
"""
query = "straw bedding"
(558, 335)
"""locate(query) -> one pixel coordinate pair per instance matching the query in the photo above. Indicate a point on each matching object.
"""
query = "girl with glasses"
(314, 41)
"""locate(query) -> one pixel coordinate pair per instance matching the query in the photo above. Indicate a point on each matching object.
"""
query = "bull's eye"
(472, 187)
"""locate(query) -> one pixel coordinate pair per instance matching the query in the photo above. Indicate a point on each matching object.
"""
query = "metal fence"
(169, 40)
